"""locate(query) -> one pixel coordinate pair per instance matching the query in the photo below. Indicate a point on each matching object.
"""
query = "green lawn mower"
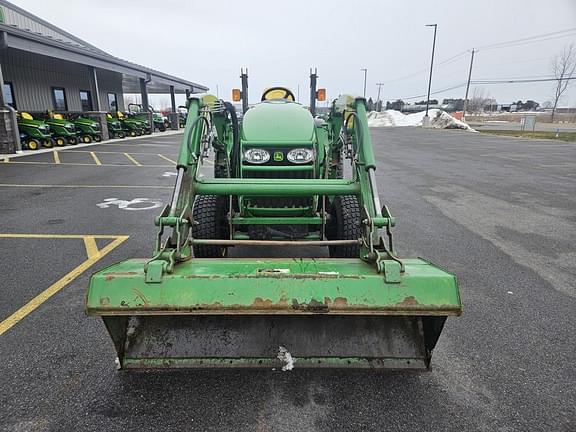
(182, 114)
(160, 121)
(115, 129)
(132, 127)
(88, 130)
(33, 133)
(63, 131)
(278, 184)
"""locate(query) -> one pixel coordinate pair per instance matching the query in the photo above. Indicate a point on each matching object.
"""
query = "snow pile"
(438, 119)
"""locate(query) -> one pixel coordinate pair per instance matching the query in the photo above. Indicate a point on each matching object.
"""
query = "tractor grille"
(275, 202)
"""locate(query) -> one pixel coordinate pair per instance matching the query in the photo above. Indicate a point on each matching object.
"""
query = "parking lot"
(498, 212)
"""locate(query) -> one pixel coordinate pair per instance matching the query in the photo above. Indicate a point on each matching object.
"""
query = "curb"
(22, 153)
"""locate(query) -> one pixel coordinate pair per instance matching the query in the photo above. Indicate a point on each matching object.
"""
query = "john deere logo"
(278, 156)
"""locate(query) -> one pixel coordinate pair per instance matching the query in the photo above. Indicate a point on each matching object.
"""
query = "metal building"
(43, 67)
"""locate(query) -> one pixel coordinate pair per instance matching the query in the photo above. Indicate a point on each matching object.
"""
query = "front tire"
(60, 142)
(210, 216)
(32, 144)
(345, 224)
(97, 138)
(73, 141)
(120, 134)
(86, 139)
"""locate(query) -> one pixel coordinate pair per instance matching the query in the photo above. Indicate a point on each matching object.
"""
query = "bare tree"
(563, 68)
(478, 100)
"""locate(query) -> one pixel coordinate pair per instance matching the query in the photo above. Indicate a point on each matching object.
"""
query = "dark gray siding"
(33, 75)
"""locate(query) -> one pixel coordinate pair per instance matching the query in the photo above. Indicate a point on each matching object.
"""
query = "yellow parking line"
(110, 152)
(29, 307)
(91, 247)
(59, 236)
(90, 164)
(56, 157)
(96, 160)
(168, 159)
(134, 161)
(86, 186)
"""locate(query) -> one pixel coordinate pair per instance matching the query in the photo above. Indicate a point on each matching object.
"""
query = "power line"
(530, 39)
(432, 93)
(497, 45)
(452, 59)
(523, 80)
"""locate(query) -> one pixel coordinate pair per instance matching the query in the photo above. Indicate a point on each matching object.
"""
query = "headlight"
(300, 156)
(256, 156)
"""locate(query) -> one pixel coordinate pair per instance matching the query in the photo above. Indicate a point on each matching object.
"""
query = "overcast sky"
(209, 41)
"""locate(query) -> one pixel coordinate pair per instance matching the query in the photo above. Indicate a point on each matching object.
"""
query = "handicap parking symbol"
(134, 204)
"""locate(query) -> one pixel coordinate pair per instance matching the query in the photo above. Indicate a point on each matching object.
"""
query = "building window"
(9, 94)
(112, 102)
(86, 100)
(59, 99)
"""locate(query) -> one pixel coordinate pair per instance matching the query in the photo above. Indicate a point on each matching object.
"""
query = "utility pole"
(378, 98)
(426, 120)
(468, 86)
(365, 75)
(379, 87)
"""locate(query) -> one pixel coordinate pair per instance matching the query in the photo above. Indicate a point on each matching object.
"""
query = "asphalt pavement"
(498, 212)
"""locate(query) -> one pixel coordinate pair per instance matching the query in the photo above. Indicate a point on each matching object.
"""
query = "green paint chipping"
(270, 286)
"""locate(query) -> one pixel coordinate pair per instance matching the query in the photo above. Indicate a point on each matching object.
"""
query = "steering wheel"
(278, 93)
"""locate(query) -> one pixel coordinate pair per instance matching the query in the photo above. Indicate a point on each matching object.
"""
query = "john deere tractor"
(88, 130)
(131, 126)
(63, 131)
(33, 133)
(138, 112)
(280, 181)
(115, 129)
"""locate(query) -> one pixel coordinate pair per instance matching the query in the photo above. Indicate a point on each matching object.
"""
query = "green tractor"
(132, 127)
(279, 184)
(182, 114)
(33, 133)
(115, 129)
(88, 130)
(137, 111)
(63, 131)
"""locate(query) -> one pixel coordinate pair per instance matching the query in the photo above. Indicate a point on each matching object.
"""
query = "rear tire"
(86, 139)
(60, 142)
(49, 143)
(133, 133)
(97, 138)
(72, 141)
(120, 134)
(210, 214)
(345, 224)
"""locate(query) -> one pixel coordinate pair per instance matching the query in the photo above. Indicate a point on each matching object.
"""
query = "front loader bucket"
(252, 312)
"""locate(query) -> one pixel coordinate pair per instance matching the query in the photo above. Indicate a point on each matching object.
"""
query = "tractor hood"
(269, 120)
(31, 123)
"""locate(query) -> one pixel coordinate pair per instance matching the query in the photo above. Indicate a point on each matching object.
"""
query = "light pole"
(365, 75)
(426, 120)
(378, 98)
